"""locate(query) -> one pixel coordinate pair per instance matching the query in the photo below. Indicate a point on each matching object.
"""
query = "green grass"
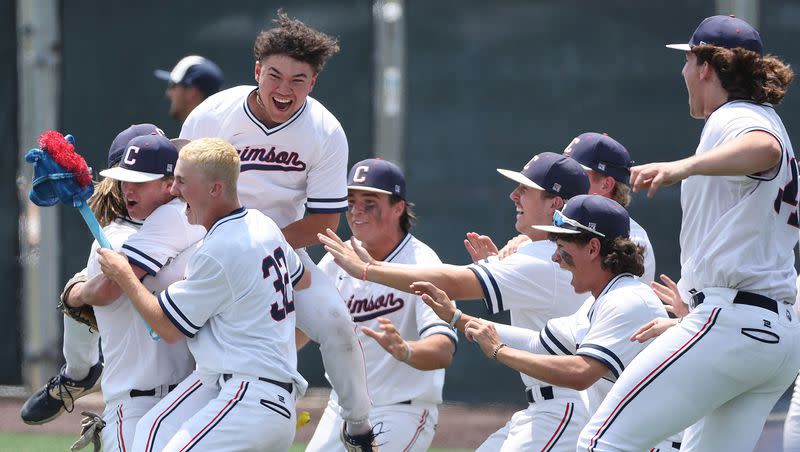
(39, 442)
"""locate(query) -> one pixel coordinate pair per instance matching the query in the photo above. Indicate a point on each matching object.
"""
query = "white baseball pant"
(546, 425)
(403, 427)
(323, 316)
(81, 350)
(121, 417)
(724, 363)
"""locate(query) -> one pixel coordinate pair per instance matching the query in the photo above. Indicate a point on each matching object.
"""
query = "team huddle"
(208, 292)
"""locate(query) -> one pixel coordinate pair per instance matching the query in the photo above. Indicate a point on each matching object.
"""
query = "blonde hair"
(217, 160)
(621, 192)
(107, 201)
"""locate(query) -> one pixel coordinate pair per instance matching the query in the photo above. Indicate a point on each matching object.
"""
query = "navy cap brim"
(162, 74)
(126, 175)
(555, 229)
(684, 47)
(519, 178)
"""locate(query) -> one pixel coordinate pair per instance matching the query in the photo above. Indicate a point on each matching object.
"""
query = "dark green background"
(489, 85)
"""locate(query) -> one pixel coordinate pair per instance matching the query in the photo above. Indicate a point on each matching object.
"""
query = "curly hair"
(746, 75)
(618, 254)
(297, 40)
(107, 201)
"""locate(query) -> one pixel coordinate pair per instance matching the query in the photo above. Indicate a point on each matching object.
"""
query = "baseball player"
(736, 351)
(294, 169)
(607, 163)
(139, 371)
(190, 82)
(406, 346)
(592, 237)
(81, 372)
(235, 306)
(528, 283)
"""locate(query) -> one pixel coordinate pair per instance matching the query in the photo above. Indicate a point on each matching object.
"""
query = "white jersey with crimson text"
(133, 360)
(391, 381)
(739, 231)
(236, 304)
(530, 285)
(301, 161)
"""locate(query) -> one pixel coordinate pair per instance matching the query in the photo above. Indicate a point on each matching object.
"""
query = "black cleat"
(59, 395)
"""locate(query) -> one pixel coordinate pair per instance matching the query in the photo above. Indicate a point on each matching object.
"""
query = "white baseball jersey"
(237, 302)
(639, 236)
(529, 284)
(391, 381)
(602, 327)
(133, 360)
(304, 158)
(739, 231)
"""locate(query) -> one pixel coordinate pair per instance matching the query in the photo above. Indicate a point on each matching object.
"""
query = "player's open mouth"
(281, 104)
(130, 204)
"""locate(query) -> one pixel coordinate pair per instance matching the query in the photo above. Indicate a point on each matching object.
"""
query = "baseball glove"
(359, 443)
(83, 314)
(91, 425)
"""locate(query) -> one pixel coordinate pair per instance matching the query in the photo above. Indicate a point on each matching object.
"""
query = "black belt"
(148, 392)
(748, 298)
(404, 402)
(286, 386)
(676, 445)
(545, 391)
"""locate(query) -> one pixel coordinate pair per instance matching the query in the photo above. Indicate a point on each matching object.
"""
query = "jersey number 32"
(277, 262)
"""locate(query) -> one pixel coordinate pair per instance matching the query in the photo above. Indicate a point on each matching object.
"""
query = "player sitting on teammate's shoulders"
(236, 308)
(591, 234)
(528, 283)
(410, 346)
(139, 370)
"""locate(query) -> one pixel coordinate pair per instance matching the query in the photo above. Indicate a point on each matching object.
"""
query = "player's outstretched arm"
(100, 291)
(751, 153)
(576, 372)
(459, 282)
(116, 268)
(430, 353)
(304, 231)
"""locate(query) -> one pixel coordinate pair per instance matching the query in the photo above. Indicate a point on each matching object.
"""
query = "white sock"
(80, 349)
(355, 428)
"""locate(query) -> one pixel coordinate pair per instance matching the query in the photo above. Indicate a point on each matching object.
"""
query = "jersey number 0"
(278, 262)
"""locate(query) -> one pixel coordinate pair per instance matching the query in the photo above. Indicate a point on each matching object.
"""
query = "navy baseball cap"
(553, 173)
(377, 176)
(147, 158)
(591, 213)
(120, 143)
(724, 31)
(601, 153)
(194, 71)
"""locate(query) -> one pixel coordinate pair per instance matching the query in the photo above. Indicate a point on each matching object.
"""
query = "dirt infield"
(460, 426)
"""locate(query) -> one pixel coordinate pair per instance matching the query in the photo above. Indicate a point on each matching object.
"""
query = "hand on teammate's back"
(512, 246)
(479, 246)
(652, 329)
(114, 265)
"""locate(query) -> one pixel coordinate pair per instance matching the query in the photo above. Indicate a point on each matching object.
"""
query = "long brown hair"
(746, 75)
(107, 201)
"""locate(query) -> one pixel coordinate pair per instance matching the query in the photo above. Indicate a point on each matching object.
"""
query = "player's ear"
(594, 247)
(557, 203)
(608, 184)
(313, 82)
(216, 190)
(257, 70)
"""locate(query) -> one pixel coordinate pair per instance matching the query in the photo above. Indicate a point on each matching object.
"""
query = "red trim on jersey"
(148, 446)
(669, 360)
(228, 406)
(120, 436)
(562, 426)
(421, 425)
